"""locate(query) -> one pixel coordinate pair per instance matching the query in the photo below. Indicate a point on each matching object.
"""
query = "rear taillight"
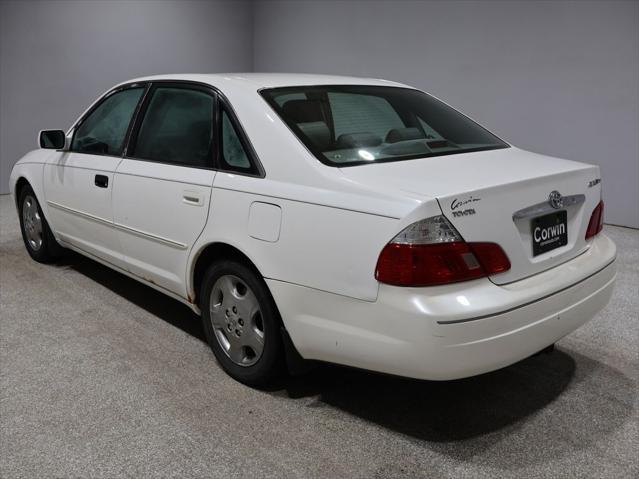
(432, 252)
(595, 225)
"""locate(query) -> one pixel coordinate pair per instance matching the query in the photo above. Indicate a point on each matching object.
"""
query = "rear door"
(163, 185)
(79, 183)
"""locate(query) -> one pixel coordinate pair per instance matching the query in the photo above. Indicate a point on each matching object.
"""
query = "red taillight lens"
(431, 252)
(492, 258)
(595, 225)
(443, 263)
(426, 264)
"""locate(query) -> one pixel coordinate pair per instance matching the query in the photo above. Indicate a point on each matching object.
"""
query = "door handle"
(101, 181)
(193, 198)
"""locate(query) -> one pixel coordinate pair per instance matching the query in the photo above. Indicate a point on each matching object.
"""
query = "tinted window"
(104, 130)
(234, 156)
(354, 125)
(177, 128)
(356, 113)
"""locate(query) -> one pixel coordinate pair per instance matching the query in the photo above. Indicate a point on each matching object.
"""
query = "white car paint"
(68, 182)
(508, 180)
(315, 232)
(170, 207)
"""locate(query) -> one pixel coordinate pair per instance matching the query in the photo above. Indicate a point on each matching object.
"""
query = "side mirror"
(52, 139)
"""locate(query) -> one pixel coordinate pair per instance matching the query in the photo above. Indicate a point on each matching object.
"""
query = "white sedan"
(354, 221)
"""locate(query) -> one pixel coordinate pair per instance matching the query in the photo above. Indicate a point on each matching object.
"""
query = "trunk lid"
(495, 196)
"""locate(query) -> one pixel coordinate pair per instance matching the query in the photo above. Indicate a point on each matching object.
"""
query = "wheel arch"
(205, 257)
(211, 252)
(30, 174)
(20, 183)
(25, 178)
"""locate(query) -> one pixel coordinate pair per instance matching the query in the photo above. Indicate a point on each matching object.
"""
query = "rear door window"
(177, 128)
(234, 155)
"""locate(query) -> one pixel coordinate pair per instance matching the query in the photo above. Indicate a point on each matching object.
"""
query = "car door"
(78, 183)
(162, 187)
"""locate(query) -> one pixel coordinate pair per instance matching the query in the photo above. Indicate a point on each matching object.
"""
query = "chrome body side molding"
(126, 229)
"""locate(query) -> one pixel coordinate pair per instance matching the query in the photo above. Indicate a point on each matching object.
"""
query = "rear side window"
(177, 128)
(234, 156)
(104, 130)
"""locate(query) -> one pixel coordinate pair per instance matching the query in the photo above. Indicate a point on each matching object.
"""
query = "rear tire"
(242, 323)
(36, 234)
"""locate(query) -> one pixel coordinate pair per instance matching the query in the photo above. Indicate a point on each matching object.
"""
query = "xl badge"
(555, 199)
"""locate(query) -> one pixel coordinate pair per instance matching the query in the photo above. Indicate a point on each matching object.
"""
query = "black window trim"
(153, 86)
(138, 115)
(219, 98)
(128, 86)
(298, 134)
(256, 167)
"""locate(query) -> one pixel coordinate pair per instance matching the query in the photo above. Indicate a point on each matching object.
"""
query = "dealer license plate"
(549, 232)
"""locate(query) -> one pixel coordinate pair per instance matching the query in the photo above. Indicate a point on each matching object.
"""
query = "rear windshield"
(355, 125)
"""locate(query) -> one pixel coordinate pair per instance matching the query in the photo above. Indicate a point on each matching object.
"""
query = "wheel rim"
(236, 318)
(32, 222)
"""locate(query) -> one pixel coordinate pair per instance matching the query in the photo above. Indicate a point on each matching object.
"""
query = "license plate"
(549, 232)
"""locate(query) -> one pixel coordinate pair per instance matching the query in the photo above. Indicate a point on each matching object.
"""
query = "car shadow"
(543, 407)
(151, 300)
(441, 411)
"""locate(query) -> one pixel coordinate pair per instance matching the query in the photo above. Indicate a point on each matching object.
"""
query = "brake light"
(595, 225)
(432, 252)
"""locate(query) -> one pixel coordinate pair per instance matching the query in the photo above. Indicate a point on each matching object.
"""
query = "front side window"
(355, 125)
(104, 130)
(177, 128)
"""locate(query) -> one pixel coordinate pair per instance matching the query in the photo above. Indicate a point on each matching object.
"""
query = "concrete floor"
(103, 377)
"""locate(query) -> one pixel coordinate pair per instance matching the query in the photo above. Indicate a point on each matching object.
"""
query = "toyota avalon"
(353, 221)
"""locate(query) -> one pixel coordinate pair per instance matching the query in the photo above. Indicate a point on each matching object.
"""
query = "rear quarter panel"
(328, 248)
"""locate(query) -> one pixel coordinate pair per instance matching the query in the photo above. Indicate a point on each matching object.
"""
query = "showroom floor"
(103, 377)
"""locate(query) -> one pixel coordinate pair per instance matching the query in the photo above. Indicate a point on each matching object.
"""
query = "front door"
(79, 183)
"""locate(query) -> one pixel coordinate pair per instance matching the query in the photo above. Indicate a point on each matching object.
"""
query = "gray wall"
(560, 78)
(56, 57)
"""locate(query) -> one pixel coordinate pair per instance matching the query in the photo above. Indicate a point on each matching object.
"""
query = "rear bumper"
(451, 331)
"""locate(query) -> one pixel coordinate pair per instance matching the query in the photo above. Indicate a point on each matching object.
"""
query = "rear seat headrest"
(403, 134)
(355, 140)
(303, 111)
(318, 132)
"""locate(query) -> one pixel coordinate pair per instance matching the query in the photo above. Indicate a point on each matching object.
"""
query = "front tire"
(36, 234)
(241, 323)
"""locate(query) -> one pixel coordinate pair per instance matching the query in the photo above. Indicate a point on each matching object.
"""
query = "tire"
(242, 323)
(36, 234)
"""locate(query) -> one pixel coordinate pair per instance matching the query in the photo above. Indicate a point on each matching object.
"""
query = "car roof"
(256, 81)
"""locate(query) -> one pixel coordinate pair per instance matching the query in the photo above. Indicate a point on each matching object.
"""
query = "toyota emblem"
(555, 199)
